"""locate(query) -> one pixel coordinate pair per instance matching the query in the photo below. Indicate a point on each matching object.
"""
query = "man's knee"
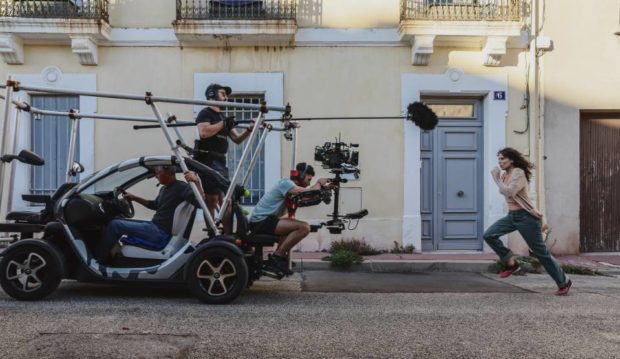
(304, 228)
(115, 226)
(212, 201)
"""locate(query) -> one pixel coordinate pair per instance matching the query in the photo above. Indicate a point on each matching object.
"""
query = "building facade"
(475, 61)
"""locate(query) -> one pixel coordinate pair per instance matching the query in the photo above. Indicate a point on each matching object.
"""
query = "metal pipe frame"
(175, 149)
(124, 96)
(244, 156)
(255, 155)
(28, 108)
(151, 101)
(72, 147)
(7, 110)
(14, 163)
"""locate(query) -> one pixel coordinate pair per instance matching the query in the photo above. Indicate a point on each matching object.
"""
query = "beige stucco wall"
(580, 73)
(330, 81)
(348, 13)
(311, 13)
(365, 80)
(142, 13)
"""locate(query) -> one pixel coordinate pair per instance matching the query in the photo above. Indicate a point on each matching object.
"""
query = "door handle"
(460, 193)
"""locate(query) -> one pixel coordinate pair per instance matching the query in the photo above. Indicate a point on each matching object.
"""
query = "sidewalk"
(607, 263)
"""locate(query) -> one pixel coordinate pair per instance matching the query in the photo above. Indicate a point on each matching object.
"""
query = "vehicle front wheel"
(30, 271)
(217, 275)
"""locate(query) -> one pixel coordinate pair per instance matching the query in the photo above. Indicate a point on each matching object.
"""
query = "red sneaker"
(564, 290)
(509, 270)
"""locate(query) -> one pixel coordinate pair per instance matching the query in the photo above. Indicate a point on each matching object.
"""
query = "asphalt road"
(473, 316)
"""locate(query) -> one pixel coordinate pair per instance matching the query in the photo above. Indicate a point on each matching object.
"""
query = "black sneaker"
(280, 264)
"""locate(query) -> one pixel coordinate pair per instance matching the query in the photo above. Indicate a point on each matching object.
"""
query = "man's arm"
(188, 195)
(150, 204)
(321, 182)
(206, 129)
(237, 137)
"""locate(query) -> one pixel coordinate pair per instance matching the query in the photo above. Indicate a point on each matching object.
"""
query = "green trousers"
(530, 229)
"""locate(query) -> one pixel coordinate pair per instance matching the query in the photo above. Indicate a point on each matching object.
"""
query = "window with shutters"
(50, 137)
(256, 181)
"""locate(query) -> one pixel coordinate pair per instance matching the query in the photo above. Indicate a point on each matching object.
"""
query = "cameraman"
(214, 130)
(266, 216)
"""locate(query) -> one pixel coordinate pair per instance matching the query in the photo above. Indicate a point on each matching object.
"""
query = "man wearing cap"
(214, 129)
(158, 230)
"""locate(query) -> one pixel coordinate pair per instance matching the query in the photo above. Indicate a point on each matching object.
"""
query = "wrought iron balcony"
(236, 9)
(63, 9)
(461, 10)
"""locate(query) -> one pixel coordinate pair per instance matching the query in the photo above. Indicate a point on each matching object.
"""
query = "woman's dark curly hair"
(518, 160)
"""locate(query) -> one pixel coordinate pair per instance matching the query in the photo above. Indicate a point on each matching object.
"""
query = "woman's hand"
(495, 172)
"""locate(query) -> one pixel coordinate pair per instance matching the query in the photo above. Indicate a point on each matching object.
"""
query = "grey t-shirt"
(272, 203)
(166, 203)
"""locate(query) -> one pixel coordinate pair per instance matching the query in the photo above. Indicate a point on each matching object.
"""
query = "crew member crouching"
(267, 218)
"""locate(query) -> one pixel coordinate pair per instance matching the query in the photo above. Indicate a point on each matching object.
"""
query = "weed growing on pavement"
(343, 259)
(532, 265)
(527, 264)
(575, 269)
(398, 249)
(354, 245)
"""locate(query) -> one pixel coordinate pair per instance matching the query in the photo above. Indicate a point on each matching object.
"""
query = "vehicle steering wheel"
(124, 206)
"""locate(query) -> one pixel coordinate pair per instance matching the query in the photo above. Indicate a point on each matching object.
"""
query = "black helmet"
(213, 89)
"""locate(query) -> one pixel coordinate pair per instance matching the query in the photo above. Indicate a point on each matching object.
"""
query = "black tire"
(205, 275)
(31, 270)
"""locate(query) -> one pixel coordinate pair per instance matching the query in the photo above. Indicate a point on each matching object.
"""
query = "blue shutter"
(50, 138)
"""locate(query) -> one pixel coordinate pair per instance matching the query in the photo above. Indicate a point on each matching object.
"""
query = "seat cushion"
(263, 239)
(146, 244)
(24, 216)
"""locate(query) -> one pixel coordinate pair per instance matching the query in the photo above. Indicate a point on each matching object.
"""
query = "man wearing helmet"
(214, 129)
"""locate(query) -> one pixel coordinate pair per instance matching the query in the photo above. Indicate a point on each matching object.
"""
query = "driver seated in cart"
(158, 230)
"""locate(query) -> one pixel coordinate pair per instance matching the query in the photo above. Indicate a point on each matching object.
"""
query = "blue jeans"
(530, 229)
(116, 228)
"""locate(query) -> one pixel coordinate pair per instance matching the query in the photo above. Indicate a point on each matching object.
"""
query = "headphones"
(302, 173)
(211, 92)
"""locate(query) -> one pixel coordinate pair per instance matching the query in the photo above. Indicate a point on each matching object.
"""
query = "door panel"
(427, 197)
(460, 140)
(600, 182)
(460, 184)
(451, 173)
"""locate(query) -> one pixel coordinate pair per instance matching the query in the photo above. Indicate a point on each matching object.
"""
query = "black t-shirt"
(166, 203)
(217, 143)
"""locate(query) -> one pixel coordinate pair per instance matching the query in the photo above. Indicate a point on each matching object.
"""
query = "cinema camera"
(340, 158)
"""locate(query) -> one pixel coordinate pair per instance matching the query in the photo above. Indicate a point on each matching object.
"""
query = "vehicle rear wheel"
(30, 271)
(217, 275)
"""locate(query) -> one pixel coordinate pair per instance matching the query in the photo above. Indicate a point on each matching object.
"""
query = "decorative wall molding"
(11, 49)
(85, 48)
(422, 49)
(494, 50)
(81, 34)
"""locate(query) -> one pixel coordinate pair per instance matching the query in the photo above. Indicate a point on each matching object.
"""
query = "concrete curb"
(395, 266)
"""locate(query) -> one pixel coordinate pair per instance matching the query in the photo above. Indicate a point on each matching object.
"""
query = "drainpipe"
(539, 95)
(535, 125)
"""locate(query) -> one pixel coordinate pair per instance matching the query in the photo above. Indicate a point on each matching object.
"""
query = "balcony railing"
(236, 9)
(65, 9)
(461, 10)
